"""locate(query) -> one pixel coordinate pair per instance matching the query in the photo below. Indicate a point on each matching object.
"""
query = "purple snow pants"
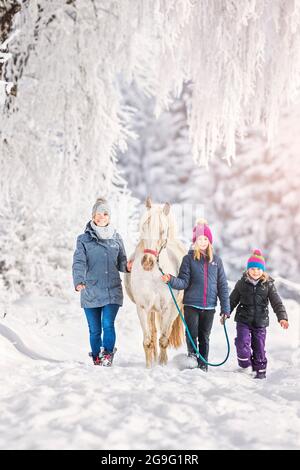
(250, 347)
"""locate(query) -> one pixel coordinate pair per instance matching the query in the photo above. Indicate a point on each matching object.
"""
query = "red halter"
(152, 252)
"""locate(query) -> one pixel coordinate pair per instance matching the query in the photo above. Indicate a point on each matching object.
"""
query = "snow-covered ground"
(52, 397)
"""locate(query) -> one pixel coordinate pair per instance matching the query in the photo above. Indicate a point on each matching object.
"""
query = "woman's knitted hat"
(101, 205)
(201, 228)
(256, 260)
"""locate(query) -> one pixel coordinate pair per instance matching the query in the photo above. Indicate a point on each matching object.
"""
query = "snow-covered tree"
(159, 161)
(61, 131)
(251, 203)
(8, 10)
(160, 153)
(58, 142)
(257, 200)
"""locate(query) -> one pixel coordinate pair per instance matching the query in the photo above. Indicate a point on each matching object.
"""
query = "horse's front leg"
(166, 319)
(145, 320)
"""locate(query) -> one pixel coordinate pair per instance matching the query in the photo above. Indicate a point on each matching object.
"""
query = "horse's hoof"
(163, 361)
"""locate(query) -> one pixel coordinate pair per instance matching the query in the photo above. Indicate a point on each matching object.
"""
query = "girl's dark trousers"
(199, 322)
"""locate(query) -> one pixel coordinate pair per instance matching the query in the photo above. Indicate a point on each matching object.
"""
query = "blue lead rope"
(190, 336)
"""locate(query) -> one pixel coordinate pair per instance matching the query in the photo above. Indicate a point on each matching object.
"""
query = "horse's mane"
(170, 217)
(171, 224)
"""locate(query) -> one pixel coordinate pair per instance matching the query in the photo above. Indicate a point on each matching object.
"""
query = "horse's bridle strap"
(152, 252)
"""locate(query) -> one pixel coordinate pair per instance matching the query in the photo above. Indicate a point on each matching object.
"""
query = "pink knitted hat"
(201, 228)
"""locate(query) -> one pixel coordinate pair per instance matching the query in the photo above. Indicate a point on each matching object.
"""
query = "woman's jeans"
(101, 326)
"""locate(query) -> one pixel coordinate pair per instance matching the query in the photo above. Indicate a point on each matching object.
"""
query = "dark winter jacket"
(96, 263)
(252, 302)
(203, 282)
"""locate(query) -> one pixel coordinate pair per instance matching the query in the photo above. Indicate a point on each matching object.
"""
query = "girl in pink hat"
(203, 279)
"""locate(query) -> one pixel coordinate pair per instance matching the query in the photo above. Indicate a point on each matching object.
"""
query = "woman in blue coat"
(98, 258)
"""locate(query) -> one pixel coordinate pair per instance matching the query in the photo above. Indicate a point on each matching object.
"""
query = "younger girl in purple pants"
(251, 296)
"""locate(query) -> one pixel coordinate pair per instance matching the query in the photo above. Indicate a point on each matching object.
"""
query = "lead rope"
(188, 331)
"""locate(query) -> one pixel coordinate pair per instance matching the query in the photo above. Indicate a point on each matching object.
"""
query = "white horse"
(144, 286)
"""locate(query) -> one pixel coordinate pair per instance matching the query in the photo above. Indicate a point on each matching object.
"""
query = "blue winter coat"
(96, 263)
(203, 282)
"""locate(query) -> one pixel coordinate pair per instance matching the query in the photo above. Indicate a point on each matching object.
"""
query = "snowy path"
(52, 397)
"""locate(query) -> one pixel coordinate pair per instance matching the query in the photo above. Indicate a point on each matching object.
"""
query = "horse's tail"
(177, 334)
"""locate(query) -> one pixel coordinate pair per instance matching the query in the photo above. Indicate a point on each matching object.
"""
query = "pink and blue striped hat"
(256, 260)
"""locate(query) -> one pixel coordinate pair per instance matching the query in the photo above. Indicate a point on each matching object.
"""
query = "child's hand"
(284, 324)
(224, 317)
(166, 278)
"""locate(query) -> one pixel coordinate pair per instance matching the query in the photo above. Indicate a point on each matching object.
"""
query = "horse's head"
(154, 231)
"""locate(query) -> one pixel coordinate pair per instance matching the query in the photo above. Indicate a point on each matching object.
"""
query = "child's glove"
(284, 324)
(224, 317)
